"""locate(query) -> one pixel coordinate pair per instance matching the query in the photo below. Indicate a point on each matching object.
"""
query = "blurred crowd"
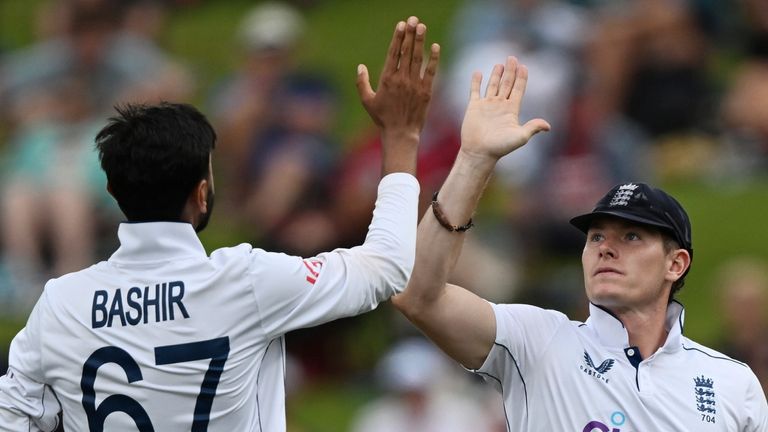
(648, 90)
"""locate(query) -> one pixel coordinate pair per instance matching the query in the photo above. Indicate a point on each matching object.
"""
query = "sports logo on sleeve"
(313, 267)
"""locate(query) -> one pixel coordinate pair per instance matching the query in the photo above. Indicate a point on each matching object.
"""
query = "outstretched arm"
(399, 104)
(347, 282)
(458, 321)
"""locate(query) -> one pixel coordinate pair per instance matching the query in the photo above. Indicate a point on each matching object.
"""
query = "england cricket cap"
(639, 202)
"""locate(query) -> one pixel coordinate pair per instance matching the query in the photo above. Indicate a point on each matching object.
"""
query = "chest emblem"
(704, 389)
(596, 371)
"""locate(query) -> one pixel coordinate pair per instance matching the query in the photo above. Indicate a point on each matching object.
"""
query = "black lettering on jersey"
(99, 310)
(116, 309)
(175, 299)
(134, 306)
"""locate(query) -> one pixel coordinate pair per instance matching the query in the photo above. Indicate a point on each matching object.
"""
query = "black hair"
(154, 156)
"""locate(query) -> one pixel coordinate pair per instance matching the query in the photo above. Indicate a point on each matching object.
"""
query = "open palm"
(491, 126)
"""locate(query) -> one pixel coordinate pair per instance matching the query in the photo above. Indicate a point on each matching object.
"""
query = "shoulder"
(243, 250)
(528, 313)
(728, 372)
(256, 261)
(703, 353)
(525, 324)
(81, 279)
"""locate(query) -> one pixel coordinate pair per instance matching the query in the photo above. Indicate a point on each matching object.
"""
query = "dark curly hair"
(154, 156)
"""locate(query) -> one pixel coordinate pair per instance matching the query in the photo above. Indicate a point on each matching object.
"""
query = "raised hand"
(491, 127)
(399, 104)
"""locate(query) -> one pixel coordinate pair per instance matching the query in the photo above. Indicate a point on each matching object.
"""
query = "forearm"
(389, 247)
(399, 151)
(438, 248)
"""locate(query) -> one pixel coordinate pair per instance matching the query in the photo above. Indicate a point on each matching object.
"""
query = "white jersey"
(162, 337)
(560, 375)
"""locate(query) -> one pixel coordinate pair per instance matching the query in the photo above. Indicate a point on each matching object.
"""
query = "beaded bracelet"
(440, 216)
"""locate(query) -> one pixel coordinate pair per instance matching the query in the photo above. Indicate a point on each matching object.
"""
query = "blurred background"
(671, 92)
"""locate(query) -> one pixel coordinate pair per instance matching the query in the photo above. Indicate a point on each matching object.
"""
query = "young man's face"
(625, 265)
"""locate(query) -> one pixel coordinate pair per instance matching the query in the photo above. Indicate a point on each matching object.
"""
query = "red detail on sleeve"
(314, 267)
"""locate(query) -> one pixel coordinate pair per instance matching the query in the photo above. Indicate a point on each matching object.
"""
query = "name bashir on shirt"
(136, 305)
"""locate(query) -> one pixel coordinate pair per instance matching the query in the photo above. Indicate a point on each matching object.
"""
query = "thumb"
(532, 127)
(364, 85)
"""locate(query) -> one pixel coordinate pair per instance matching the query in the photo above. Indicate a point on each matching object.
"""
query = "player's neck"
(646, 329)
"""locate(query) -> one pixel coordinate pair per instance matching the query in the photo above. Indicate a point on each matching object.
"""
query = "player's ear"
(680, 259)
(201, 196)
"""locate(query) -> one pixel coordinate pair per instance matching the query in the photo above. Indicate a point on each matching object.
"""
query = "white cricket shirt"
(566, 376)
(162, 337)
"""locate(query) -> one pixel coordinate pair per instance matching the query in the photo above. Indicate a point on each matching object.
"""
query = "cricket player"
(628, 368)
(163, 337)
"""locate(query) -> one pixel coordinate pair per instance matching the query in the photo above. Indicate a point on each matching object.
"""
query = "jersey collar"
(611, 332)
(156, 242)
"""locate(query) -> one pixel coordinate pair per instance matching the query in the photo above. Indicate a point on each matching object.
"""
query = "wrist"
(400, 135)
(475, 160)
(399, 150)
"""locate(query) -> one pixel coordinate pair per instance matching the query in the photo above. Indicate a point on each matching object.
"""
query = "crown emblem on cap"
(623, 194)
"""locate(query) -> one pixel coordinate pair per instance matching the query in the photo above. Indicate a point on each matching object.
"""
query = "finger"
(431, 70)
(364, 85)
(393, 53)
(406, 49)
(493, 81)
(518, 89)
(474, 88)
(532, 127)
(418, 50)
(508, 78)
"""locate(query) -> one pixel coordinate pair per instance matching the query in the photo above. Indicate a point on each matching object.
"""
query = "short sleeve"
(523, 333)
(756, 406)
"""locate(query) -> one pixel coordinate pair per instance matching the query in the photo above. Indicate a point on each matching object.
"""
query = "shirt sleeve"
(293, 293)
(26, 402)
(757, 407)
(523, 333)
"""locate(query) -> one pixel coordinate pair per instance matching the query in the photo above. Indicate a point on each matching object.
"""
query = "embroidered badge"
(623, 195)
(705, 398)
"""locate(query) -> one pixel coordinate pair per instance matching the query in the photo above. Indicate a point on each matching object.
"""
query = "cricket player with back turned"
(163, 337)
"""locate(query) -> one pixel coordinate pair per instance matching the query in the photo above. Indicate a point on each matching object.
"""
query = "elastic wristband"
(440, 216)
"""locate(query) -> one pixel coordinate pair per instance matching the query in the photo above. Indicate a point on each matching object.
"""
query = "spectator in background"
(649, 62)
(246, 105)
(276, 140)
(745, 105)
(743, 288)
(288, 171)
(53, 99)
(425, 393)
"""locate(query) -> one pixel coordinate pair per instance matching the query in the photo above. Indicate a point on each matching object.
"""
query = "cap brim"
(584, 221)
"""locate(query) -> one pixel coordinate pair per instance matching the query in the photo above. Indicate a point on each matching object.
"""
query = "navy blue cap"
(639, 202)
